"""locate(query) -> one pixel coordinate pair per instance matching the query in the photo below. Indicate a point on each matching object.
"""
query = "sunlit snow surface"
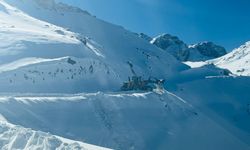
(237, 61)
(37, 34)
(113, 120)
(17, 137)
(52, 48)
(15, 26)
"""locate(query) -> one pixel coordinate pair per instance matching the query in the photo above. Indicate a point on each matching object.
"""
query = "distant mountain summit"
(237, 61)
(205, 51)
(145, 37)
(173, 45)
(62, 71)
(199, 52)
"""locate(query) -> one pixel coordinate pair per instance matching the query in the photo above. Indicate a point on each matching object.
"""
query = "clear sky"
(225, 22)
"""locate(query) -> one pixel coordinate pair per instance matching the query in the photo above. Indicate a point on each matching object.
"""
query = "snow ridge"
(237, 61)
(17, 137)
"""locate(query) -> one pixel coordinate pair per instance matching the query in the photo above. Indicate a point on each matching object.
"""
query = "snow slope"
(17, 137)
(21, 35)
(120, 120)
(237, 61)
(77, 74)
(62, 34)
(223, 99)
(15, 23)
(56, 48)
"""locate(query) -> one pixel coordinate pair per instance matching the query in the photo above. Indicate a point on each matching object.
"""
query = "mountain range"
(181, 51)
(61, 72)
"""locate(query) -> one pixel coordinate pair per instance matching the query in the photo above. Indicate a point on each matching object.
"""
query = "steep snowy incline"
(223, 99)
(114, 42)
(120, 120)
(237, 61)
(25, 62)
(55, 48)
(111, 41)
(74, 75)
(87, 38)
(19, 26)
(17, 137)
(66, 74)
(21, 35)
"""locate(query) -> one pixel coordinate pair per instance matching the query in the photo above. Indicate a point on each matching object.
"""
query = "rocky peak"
(199, 52)
(209, 49)
(173, 45)
(145, 37)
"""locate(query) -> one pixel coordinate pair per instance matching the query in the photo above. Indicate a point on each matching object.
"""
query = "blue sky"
(226, 22)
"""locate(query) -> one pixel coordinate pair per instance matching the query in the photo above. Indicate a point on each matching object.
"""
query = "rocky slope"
(198, 52)
(54, 31)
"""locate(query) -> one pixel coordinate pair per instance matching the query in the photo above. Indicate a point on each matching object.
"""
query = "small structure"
(137, 83)
(71, 61)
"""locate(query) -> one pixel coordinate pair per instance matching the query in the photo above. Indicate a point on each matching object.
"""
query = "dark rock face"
(145, 37)
(181, 51)
(173, 45)
(71, 61)
(210, 49)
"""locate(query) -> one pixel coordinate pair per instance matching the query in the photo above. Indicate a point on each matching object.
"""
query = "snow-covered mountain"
(172, 45)
(237, 61)
(45, 30)
(197, 52)
(145, 37)
(205, 51)
(50, 51)
(17, 137)
(121, 120)
(77, 74)
(225, 100)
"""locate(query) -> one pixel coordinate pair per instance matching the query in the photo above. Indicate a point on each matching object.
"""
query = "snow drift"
(120, 120)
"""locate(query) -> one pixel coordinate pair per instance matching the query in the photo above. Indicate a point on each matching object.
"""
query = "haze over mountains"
(61, 73)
